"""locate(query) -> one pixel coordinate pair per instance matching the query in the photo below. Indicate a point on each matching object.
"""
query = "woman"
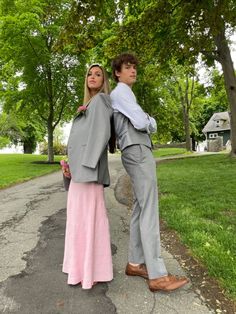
(87, 255)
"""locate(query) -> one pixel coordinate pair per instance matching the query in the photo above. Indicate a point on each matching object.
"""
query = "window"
(213, 135)
(217, 123)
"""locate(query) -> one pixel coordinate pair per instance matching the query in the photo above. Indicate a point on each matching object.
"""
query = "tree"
(157, 96)
(183, 29)
(48, 79)
(169, 95)
(215, 100)
(186, 95)
(16, 129)
(9, 130)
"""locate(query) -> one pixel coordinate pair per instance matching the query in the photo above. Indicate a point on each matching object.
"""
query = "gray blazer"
(127, 135)
(87, 144)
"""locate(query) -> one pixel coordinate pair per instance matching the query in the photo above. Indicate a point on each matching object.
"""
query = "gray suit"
(87, 144)
(139, 163)
(127, 135)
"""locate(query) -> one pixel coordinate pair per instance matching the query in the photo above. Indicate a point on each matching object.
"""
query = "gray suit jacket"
(127, 135)
(87, 144)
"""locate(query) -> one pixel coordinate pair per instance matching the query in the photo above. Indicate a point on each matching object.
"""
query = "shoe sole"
(133, 274)
(166, 290)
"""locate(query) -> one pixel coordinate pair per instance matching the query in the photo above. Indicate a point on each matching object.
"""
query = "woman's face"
(95, 79)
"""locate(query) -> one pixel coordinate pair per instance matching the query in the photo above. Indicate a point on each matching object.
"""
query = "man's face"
(127, 74)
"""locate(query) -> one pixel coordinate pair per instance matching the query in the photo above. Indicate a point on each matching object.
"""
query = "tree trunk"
(50, 127)
(187, 129)
(193, 143)
(230, 83)
(28, 149)
(50, 143)
(29, 141)
(184, 103)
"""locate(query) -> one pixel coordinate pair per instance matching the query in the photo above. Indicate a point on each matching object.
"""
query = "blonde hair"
(105, 86)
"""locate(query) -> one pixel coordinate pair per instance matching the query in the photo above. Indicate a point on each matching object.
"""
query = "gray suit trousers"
(144, 246)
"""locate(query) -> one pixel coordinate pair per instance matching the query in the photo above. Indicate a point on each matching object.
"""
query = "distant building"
(217, 130)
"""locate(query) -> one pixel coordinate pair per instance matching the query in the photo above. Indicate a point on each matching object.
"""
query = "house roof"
(213, 126)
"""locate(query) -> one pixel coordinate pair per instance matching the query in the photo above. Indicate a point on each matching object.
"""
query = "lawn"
(162, 152)
(198, 200)
(16, 168)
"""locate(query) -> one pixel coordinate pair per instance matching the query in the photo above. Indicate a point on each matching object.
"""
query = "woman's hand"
(65, 168)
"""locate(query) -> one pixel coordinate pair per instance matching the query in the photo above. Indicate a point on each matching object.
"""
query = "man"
(133, 127)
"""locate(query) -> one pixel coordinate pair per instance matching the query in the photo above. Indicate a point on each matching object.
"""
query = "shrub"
(58, 148)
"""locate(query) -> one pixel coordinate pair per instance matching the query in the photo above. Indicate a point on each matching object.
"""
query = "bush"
(58, 148)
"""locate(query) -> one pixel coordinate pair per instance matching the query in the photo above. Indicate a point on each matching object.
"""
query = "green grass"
(161, 152)
(16, 168)
(198, 200)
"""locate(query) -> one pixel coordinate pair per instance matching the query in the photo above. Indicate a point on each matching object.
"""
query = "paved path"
(32, 224)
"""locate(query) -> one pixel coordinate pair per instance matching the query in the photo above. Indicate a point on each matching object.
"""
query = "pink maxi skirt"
(87, 254)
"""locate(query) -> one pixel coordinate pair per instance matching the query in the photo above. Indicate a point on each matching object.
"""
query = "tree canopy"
(46, 45)
(37, 78)
(162, 30)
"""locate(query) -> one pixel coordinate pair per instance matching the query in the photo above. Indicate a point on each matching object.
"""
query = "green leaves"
(43, 79)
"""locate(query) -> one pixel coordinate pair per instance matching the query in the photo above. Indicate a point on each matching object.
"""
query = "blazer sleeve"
(99, 130)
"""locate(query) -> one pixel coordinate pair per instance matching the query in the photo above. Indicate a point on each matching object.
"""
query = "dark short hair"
(123, 58)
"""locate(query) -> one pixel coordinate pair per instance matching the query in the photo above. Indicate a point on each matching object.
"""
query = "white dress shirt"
(124, 101)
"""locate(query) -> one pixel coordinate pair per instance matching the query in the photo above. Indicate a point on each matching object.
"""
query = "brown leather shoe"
(139, 270)
(167, 283)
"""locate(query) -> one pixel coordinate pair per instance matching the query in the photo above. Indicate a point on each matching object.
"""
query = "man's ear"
(117, 73)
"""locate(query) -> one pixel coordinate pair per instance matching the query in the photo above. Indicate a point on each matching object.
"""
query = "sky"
(233, 49)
